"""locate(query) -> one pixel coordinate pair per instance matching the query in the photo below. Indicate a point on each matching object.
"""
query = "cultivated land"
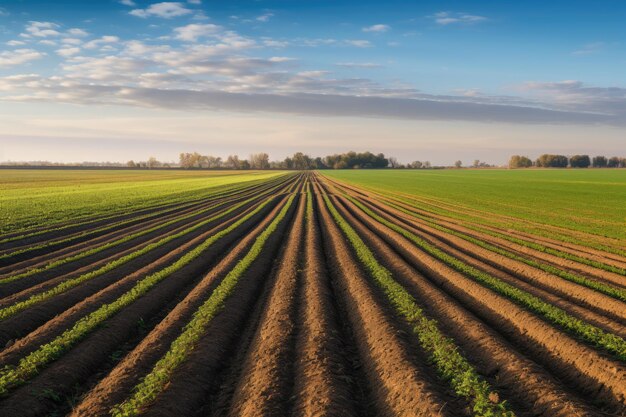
(361, 293)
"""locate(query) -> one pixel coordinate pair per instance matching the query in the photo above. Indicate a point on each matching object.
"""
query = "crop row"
(111, 244)
(156, 380)
(30, 365)
(443, 352)
(592, 334)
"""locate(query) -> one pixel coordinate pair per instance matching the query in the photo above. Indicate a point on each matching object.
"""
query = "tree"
(613, 162)
(599, 162)
(233, 162)
(427, 164)
(301, 161)
(393, 162)
(518, 161)
(552, 161)
(580, 161)
(476, 163)
(622, 162)
(259, 161)
(415, 165)
(458, 164)
(131, 164)
(152, 162)
(190, 160)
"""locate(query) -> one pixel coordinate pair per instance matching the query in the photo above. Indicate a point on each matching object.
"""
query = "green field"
(31, 198)
(592, 201)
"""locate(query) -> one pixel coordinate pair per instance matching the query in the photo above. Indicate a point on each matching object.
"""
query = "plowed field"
(298, 294)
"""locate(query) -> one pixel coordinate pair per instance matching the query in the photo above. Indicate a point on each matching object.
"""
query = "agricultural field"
(332, 293)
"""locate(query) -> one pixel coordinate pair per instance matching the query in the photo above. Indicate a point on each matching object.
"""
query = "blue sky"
(440, 80)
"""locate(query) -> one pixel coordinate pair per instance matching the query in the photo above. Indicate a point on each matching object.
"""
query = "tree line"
(298, 161)
(562, 161)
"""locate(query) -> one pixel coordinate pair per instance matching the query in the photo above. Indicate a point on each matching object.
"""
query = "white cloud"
(165, 10)
(275, 44)
(194, 1)
(376, 28)
(15, 43)
(358, 43)
(18, 57)
(129, 3)
(66, 52)
(448, 18)
(71, 41)
(101, 41)
(192, 32)
(281, 59)
(77, 32)
(47, 42)
(265, 17)
(41, 29)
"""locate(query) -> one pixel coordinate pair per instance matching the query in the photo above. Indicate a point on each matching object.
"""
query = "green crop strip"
(443, 352)
(592, 334)
(510, 224)
(155, 381)
(30, 365)
(27, 209)
(618, 293)
(220, 193)
(71, 283)
(522, 242)
(106, 246)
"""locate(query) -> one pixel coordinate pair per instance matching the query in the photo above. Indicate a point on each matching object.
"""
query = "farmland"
(276, 293)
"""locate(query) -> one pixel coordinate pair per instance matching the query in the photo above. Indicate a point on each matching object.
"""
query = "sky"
(114, 80)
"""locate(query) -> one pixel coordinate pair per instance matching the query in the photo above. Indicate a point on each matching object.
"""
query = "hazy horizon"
(439, 81)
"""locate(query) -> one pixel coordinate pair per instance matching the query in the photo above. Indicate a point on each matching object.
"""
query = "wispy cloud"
(129, 3)
(165, 10)
(265, 17)
(358, 65)
(377, 28)
(359, 43)
(448, 18)
(590, 48)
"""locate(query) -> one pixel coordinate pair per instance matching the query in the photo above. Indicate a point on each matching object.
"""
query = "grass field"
(357, 293)
(33, 198)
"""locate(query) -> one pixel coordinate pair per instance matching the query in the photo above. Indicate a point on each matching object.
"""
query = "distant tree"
(613, 162)
(599, 162)
(153, 163)
(232, 162)
(622, 162)
(393, 162)
(190, 160)
(427, 164)
(518, 161)
(244, 164)
(477, 163)
(580, 161)
(552, 161)
(131, 164)
(458, 164)
(301, 161)
(415, 165)
(259, 161)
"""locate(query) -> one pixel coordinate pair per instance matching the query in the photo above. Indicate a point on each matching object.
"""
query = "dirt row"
(78, 364)
(590, 371)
